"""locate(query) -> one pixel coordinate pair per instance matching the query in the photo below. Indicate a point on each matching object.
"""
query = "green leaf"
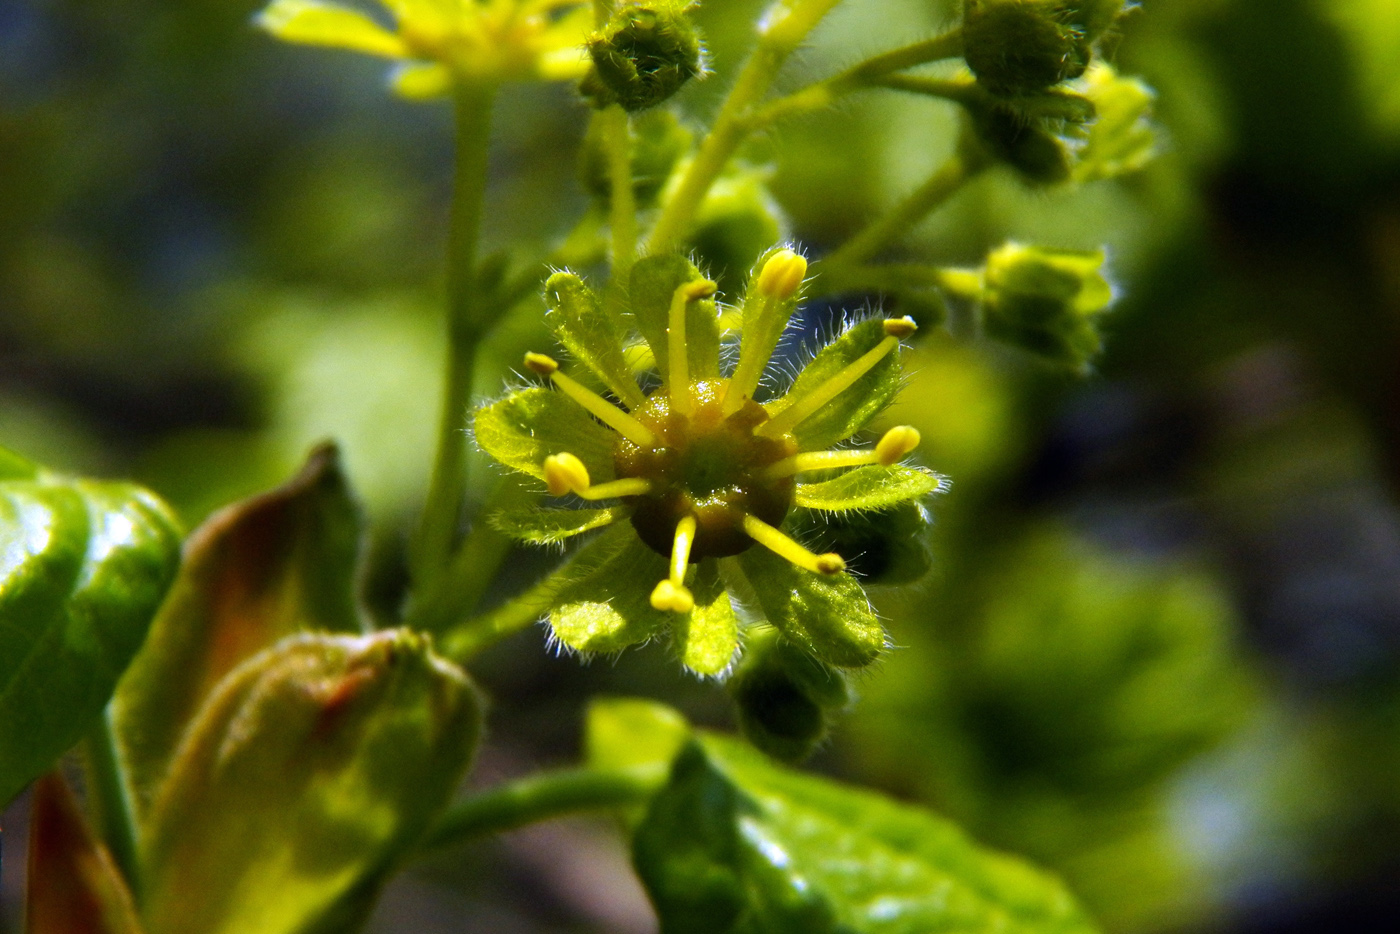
(311, 772)
(736, 845)
(311, 23)
(254, 572)
(590, 333)
(83, 567)
(827, 616)
(708, 635)
(869, 487)
(549, 526)
(605, 605)
(853, 408)
(525, 427)
(74, 886)
(633, 735)
(654, 282)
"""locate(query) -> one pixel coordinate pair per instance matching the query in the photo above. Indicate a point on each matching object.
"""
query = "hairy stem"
(785, 26)
(536, 798)
(109, 797)
(466, 319)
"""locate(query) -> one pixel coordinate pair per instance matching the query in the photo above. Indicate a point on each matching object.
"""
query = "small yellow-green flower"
(442, 42)
(713, 484)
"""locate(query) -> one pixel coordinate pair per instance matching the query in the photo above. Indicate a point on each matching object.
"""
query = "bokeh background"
(1158, 648)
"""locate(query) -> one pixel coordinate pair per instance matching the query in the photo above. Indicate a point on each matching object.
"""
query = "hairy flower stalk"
(701, 469)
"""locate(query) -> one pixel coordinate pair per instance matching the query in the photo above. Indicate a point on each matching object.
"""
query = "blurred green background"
(1158, 647)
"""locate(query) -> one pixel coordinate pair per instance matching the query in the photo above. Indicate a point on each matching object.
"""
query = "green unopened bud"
(659, 142)
(1046, 301)
(1038, 155)
(311, 770)
(785, 697)
(1023, 46)
(643, 55)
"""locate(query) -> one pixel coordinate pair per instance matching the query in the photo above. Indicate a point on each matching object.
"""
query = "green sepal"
(654, 281)
(527, 426)
(785, 697)
(308, 22)
(309, 775)
(84, 565)
(1122, 139)
(736, 845)
(882, 548)
(254, 572)
(827, 615)
(1047, 301)
(590, 333)
(860, 402)
(708, 635)
(869, 487)
(604, 603)
(540, 526)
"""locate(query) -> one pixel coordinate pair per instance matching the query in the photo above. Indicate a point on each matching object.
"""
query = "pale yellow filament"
(607, 413)
(679, 369)
(783, 546)
(892, 447)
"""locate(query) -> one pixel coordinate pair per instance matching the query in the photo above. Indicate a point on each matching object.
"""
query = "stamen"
(802, 409)
(892, 448)
(675, 342)
(671, 594)
(680, 552)
(607, 413)
(777, 283)
(783, 546)
(565, 473)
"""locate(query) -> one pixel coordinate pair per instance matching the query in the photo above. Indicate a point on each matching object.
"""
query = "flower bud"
(1046, 301)
(1038, 155)
(643, 55)
(1023, 46)
(737, 222)
(311, 770)
(785, 697)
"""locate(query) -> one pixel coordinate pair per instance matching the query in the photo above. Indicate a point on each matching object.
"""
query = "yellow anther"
(541, 364)
(900, 327)
(782, 275)
(895, 444)
(783, 546)
(565, 473)
(669, 597)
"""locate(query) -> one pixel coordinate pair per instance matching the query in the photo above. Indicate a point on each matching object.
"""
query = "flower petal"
(525, 427)
(654, 281)
(312, 23)
(420, 81)
(708, 635)
(549, 526)
(591, 333)
(870, 487)
(606, 604)
(849, 412)
(827, 616)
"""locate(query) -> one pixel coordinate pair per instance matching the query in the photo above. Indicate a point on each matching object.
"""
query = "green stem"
(536, 798)
(962, 283)
(110, 799)
(787, 24)
(622, 211)
(466, 319)
(941, 186)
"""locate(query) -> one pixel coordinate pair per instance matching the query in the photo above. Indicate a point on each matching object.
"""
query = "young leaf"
(550, 526)
(736, 844)
(309, 774)
(624, 733)
(74, 886)
(254, 572)
(709, 634)
(586, 329)
(525, 427)
(653, 284)
(827, 616)
(858, 404)
(83, 567)
(605, 606)
(869, 487)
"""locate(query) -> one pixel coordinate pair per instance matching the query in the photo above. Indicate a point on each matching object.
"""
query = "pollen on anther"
(565, 473)
(895, 444)
(900, 327)
(540, 363)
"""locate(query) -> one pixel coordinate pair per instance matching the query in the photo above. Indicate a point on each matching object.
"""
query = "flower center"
(708, 465)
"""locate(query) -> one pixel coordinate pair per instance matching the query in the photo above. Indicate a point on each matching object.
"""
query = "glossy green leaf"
(550, 526)
(605, 604)
(708, 635)
(853, 408)
(869, 487)
(828, 616)
(590, 333)
(736, 845)
(654, 282)
(254, 572)
(74, 886)
(525, 427)
(83, 567)
(309, 774)
(311, 23)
